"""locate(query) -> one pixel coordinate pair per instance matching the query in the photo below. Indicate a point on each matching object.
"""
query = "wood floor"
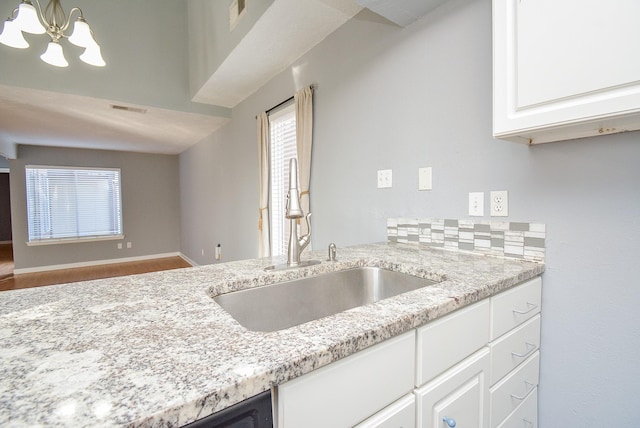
(8, 281)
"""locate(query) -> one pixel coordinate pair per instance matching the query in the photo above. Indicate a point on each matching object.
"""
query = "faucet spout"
(294, 212)
(304, 240)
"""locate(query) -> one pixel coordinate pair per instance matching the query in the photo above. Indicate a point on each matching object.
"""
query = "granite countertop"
(156, 350)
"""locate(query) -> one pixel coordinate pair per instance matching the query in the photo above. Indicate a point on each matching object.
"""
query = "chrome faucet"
(293, 213)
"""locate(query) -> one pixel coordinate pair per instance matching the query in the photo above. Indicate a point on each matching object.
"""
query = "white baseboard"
(96, 263)
(188, 260)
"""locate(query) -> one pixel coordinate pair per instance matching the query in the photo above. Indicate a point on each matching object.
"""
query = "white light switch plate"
(476, 204)
(384, 178)
(425, 179)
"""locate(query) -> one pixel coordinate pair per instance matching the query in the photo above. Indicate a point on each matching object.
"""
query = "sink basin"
(286, 304)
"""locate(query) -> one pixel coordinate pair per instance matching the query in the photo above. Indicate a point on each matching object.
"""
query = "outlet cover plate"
(500, 203)
(385, 178)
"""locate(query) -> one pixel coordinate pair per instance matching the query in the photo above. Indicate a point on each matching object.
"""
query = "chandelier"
(53, 21)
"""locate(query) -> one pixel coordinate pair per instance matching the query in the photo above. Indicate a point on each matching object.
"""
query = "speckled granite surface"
(155, 349)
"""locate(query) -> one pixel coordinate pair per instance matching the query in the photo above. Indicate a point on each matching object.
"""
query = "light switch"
(476, 204)
(425, 179)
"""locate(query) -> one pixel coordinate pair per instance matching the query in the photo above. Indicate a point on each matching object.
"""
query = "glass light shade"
(54, 55)
(28, 20)
(81, 35)
(93, 56)
(12, 35)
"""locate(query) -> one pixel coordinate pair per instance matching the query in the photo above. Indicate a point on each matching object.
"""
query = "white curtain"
(304, 132)
(264, 248)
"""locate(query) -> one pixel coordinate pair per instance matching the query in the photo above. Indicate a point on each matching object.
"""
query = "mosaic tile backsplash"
(505, 239)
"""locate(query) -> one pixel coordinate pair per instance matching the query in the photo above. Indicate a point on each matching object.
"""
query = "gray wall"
(399, 98)
(150, 206)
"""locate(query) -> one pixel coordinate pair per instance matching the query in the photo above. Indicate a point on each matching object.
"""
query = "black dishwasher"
(254, 412)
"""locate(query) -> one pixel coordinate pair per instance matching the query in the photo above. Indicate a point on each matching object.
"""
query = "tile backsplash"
(499, 238)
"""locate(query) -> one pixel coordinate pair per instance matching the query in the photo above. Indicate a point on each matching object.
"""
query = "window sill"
(73, 240)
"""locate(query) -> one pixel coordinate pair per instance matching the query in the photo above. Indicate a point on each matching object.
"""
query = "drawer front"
(510, 392)
(513, 348)
(513, 307)
(459, 395)
(369, 381)
(447, 341)
(401, 414)
(526, 415)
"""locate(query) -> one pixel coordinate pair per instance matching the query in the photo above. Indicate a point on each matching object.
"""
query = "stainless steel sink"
(286, 304)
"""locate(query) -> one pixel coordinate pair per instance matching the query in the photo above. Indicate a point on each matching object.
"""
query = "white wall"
(398, 98)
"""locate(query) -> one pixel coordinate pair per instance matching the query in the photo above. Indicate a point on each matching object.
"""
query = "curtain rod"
(312, 86)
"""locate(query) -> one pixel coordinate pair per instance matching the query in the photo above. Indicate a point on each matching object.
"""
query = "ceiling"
(42, 117)
(36, 117)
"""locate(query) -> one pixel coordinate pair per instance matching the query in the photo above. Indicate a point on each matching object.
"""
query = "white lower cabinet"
(458, 397)
(401, 414)
(350, 390)
(524, 416)
(476, 367)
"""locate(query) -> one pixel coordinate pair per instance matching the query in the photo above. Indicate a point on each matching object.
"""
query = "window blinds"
(282, 125)
(72, 203)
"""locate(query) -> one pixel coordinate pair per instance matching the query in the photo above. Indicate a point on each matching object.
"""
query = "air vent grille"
(128, 108)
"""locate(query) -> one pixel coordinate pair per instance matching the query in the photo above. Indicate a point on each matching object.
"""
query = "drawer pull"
(530, 387)
(527, 423)
(530, 349)
(530, 306)
(451, 423)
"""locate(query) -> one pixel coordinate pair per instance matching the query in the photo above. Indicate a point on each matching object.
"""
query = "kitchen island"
(156, 350)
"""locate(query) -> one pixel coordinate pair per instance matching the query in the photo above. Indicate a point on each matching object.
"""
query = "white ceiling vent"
(127, 108)
(236, 10)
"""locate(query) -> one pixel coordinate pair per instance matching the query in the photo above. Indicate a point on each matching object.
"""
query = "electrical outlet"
(476, 204)
(499, 203)
(128, 244)
(384, 178)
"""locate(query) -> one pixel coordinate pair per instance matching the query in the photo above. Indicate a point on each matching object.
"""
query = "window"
(67, 204)
(282, 126)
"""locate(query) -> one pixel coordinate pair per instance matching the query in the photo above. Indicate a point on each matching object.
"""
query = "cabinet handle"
(530, 306)
(530, 387)
(530, 349)
(527, 422)
(451, 423)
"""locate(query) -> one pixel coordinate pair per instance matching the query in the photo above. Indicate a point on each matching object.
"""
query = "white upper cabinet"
(565, 69)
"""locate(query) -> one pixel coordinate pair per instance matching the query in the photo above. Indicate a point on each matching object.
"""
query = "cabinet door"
(436, 352)
(565, 69)
(401, 414)
(350, 390)
(459, 395)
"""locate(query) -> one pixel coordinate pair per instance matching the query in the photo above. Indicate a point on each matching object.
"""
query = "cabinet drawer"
(513, 307)
(526, 415)
(511, 391)
(514, 347)
(446, 341)
(349, 390)
(459, 394)
(401, 414)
